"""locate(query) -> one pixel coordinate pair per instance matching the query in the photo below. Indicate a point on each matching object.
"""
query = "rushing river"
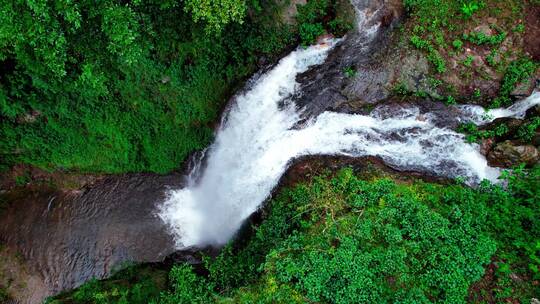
(259, 136)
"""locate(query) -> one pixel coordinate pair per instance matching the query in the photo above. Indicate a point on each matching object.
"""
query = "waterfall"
(257, 140)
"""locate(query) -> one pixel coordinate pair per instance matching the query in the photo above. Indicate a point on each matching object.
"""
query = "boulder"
(485, 29)
(524, 89)
(486, 145)
(507, 154)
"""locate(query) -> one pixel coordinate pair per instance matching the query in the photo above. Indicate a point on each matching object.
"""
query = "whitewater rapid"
(257, 141)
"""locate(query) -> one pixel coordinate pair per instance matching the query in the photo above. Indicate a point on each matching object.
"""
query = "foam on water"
(480, 116)
(257, 140)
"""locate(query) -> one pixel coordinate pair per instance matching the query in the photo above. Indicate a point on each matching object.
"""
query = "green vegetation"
(469, 8)
(450, 31)
(527, 131)
(344, 239)
(119, 87)
(122, 87)
(458, 44)
(216, 14)
(312, 20)
(433, 54)
(481, 38)
(475, 135)
(518, 71)
(349, 71)
(133, 285)
(4, 296)
(472, 46)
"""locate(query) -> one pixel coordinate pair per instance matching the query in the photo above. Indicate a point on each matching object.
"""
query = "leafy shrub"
(319, 16)
(481, 38)
(517, 71)
(475, 135)
(4, 296)
(136, 89)
(187, 287)
(133, 285)
(433, 55)
(468, 61)
(339, 26)
(520, 28)
(457, 44)
(469, 8)
(450, 100)
(310, 31)
(528, 131)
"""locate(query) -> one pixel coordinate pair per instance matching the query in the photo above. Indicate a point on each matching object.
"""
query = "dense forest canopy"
(122, 86)
(116, 86)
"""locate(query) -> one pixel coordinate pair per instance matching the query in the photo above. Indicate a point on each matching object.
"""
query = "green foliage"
(133, 285)
(468, 61)
(433, 55)
(339, 26)
(186, 287)
(480, 38)
(349, 71)
(457, 44)
(401, 89)
(216, 13)
(527, 131)
(389, 246)
(520, 28)
(319, 16)
(475, 135)
(518, 71)
(450, 100)
(440, 29)
(310, 19)
(490, 58)
(4, 296)
(21, 180)
(469, 8)
(310, 31)
(110, 87)
(477, 93)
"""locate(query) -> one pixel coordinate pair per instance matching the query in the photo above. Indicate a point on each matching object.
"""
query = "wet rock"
(323, 38)
(535, 111)
(524, 89)
(507, 154)
(326, 87)
(67, 238)
(486, 145)
(536, 139)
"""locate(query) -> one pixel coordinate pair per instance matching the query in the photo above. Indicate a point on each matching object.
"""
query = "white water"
(256, 142)
(480, 116)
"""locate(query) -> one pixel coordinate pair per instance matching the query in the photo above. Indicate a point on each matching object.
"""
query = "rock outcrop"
(66, 238)
(508, 154)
